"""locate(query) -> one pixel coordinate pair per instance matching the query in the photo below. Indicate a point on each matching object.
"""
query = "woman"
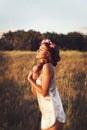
(43, 81)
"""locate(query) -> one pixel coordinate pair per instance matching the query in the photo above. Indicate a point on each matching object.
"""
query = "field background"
(18, 107)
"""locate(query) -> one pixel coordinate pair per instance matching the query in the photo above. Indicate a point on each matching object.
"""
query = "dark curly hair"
(54, 53)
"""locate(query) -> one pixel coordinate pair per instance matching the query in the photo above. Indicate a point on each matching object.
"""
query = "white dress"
(50, 106)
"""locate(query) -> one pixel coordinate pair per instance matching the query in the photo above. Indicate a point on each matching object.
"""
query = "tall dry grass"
(18, 107)
(72, 84)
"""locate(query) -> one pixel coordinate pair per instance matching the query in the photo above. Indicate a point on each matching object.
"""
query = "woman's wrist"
(29, 77)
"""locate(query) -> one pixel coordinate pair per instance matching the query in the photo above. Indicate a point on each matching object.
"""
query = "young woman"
(43, 81)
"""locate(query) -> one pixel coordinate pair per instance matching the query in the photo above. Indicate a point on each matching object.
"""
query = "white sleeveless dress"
(50, 106)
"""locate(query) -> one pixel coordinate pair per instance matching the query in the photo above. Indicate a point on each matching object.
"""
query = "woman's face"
(42, 52)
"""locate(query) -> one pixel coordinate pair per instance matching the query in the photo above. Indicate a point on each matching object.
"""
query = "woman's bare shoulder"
(48, 67)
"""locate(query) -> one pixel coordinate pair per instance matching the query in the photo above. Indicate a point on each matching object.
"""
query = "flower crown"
(49, 42)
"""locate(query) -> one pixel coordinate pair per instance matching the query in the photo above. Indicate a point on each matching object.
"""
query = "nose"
(38, 50)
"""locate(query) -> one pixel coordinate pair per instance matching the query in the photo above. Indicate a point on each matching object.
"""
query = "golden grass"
(18, 107)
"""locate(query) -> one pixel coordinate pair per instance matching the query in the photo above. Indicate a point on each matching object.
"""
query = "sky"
(60, 16)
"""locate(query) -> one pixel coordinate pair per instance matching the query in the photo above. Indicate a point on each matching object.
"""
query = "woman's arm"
(47, 74)
(33, 91)
(35, 75)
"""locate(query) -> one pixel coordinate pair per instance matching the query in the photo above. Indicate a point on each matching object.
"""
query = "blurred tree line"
(30, 40)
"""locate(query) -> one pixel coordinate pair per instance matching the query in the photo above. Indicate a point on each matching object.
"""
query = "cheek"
(41, 55)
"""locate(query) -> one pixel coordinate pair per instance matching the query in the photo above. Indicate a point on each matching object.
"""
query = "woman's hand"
(35, 71)
(30, 75)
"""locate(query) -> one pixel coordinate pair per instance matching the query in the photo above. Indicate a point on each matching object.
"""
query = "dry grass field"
(18, 107)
